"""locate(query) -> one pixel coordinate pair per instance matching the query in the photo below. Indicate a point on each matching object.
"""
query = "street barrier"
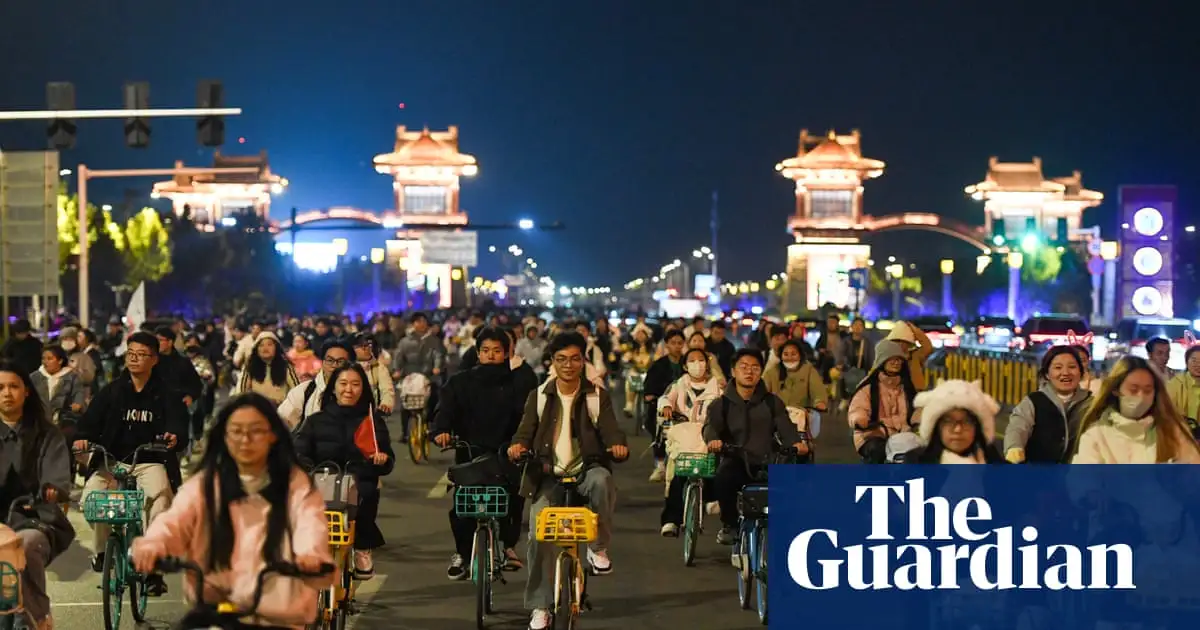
(1004, 376)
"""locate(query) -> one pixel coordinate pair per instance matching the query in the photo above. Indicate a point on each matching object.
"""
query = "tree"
(99, 222)
(147, 251)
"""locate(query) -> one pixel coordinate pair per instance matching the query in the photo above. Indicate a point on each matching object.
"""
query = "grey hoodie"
(751, 424)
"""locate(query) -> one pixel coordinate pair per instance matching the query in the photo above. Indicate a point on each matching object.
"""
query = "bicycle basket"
(701, 465)
(481, 502)
(485, 470)
(115, 507)
(566, 525)
(413, 402)
(752, 502)
(340, 491)
(341, 529)
(10, 589)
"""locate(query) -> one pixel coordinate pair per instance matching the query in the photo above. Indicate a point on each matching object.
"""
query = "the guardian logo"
(981, 556)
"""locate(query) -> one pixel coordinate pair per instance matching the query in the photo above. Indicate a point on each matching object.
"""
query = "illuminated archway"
(929, 223)
(340, 214)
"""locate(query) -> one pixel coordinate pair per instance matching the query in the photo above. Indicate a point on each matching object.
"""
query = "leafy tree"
(147, 251)
(99, 222)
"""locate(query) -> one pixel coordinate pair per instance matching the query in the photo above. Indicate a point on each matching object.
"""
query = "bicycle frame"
(225, 614)
(338, 599)
(487, 563)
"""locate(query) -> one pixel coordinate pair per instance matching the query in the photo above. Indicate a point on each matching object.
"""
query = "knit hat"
(884, 350)
(901, 332)
(950, 395)
(266, 334)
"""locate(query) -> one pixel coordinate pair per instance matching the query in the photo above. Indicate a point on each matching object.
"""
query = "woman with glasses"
(248, 505)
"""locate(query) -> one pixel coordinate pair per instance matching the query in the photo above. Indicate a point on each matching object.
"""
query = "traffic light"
(137, 129)
(210, 129)
(60, 132)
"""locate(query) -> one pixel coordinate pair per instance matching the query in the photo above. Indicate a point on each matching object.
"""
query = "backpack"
(308, 394)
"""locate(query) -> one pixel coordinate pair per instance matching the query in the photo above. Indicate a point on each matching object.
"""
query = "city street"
(648, 588)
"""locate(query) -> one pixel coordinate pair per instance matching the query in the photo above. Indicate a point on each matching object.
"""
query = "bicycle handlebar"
(171, 564)
(157, 445)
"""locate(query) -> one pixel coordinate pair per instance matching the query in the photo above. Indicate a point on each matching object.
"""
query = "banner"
(983, 547)
(135, 315)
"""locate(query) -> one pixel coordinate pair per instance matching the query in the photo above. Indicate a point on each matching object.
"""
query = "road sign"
(858, 278)
(29, 223)
(460, 249)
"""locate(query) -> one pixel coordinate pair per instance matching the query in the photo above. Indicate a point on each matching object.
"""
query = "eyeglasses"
(749, 368)
(574, 359)
(335, 362)
(955, 424)
(138, 356)
(253, 435)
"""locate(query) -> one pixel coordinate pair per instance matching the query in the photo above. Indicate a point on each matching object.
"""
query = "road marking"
(364, 594)
(440, 489)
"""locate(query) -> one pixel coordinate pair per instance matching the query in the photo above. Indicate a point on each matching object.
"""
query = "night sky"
(620, 118)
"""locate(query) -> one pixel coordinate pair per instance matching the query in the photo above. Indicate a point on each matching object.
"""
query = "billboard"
(29, 223)
(1147, 255)
(458, 249)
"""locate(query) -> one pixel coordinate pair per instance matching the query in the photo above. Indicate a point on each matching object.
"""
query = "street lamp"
(1110, 251)
(947, 267)
(525, 224)
(492, 249)
(106, 207)
(1015, 261)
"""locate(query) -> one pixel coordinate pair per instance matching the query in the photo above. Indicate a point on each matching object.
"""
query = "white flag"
(135, 315)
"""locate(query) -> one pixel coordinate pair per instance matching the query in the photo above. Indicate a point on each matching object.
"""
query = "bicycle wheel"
(691, 522)
(112, 581)
(417, 447)
(481, 574)
(760, 574)
(138, 598)
(745, 576)
(565, 604)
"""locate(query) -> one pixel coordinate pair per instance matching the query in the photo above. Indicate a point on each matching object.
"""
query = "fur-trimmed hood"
(949, 395)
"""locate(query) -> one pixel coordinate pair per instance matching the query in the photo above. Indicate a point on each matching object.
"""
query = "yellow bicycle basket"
(567, 525)
(341, 531)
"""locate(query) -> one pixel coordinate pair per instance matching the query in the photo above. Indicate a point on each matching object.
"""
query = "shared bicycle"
(750, 551)
(481, 494)
(418, 427)
(335, 604)
(225, 615)
(697, 469)
(124, 511)
(567, 525)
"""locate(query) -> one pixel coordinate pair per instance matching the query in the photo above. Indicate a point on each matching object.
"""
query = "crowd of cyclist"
(323, 389)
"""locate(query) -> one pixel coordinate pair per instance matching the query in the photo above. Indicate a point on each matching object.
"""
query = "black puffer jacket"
(328, 436)
(483, 405)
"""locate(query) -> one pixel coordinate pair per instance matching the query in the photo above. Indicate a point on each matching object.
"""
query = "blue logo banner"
(984, 547)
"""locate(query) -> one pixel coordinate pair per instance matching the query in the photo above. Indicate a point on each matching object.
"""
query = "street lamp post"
(1015, 261)
(377, 256)
(896, 272)
(947, 298)
(1110, 251)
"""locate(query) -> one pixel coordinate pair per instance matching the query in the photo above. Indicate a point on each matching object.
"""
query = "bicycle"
(567, 526)
(224, 615)
(336, 603)
(124, 511)
(696, 468)
(636, 382)
(749, 555)
(418, 427)
(487, 503)
(12, 605)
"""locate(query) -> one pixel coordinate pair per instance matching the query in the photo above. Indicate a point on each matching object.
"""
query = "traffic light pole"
(85, 174)
(51, 114)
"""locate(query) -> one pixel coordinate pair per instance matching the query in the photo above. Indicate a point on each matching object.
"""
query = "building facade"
(215, 199)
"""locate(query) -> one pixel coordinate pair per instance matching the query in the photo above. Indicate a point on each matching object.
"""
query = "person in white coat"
(689, 397)
(1133, 421)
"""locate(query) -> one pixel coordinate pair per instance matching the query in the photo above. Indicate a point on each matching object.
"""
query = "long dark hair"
(795, 343)
(33, 430)
(329, 396)
(906, 383)
(278, 370)
(220, 478)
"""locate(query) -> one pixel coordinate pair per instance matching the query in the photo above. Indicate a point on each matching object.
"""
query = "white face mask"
(696, 369)
(791, 365)
(1135, 407)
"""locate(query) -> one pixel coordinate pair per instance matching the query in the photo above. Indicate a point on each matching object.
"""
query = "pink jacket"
(286, 601)
(893, 411)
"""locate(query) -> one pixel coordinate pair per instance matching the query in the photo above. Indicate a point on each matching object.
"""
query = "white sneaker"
(659, 473)
(599, 561)
(540, 619)
(713, 508)
(670, 530)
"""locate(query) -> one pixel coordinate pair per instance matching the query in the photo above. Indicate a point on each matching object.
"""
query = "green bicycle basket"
(701, 465)
(10, 589)
(481, 502)
(115, 507)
